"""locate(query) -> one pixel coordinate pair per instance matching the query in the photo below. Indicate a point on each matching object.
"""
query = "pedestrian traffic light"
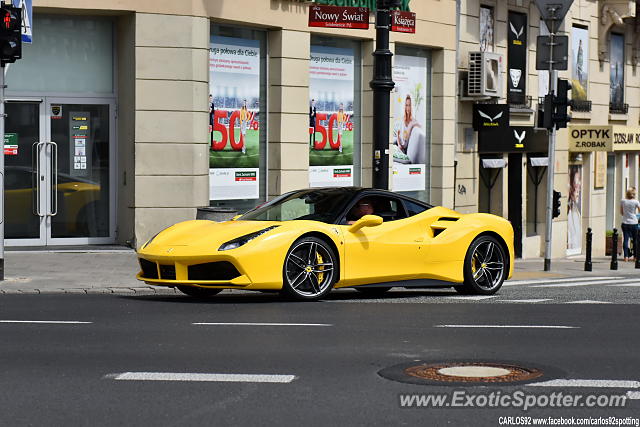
(10, 34)
(562, 102)
(547, 112)
(556, 204)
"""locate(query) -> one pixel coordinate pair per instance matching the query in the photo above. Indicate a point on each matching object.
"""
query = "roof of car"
(353, 191)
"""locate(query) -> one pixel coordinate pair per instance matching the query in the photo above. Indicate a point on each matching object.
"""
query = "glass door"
(60, 182)
(24, 156)
(81, 188)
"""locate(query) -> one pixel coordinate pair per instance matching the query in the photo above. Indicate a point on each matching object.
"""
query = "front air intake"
(221, 270)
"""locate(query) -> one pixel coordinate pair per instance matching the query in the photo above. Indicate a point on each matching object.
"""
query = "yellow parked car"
(307, 242)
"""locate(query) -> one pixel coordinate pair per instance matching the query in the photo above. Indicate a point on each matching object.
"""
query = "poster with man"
(579, 63)
(574, 210)
(331, 89)
(409, 100)
(234, 126)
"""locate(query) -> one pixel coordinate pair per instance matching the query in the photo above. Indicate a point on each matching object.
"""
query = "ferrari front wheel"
(194, 291)
(310, 269)
(485, 267)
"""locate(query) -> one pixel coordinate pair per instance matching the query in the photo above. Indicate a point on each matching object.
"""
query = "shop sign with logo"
(515, 139)
(490, 117)
(339, 17)
(590, 138)
(517, 58)
(403, 22)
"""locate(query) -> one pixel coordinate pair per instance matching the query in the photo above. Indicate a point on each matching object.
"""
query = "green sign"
(371, 4)
(10, 139)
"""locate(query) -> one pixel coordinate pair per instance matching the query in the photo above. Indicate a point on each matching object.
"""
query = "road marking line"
(628, 285)
(59, 322)
(259, 324)
(588, 301)
(588, 383)
(510, 326)
(525, 300)
(177, 376)
(473, 298)
(598, 282)
(574, 279)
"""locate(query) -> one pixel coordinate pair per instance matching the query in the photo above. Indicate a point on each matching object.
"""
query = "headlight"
(236, 243)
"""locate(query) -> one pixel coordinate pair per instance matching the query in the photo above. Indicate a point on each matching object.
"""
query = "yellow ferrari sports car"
(307, 242)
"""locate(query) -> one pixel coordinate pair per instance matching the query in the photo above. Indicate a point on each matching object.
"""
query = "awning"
(539, 161)
(494, 163)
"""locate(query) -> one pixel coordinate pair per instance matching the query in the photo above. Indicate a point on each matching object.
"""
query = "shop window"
(334, 112)
(237, 117)
(411, 129)
(70, 54)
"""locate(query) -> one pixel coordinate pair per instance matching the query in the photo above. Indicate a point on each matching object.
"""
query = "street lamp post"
(382, 84)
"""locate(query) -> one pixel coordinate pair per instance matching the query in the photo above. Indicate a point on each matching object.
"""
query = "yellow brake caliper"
(320, 275)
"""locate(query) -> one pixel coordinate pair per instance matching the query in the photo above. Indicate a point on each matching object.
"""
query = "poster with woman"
(409, 100)
(579, 63)
(331, 88)
(616, 76)
(574, 210)
(234, 126)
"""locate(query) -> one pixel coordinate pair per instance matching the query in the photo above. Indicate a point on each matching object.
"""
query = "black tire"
(485, 267)
(194, 291)
(372, 291)
(310, 270)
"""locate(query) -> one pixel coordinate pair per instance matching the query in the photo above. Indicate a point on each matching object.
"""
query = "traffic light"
(389, 4)
(10, 34)
(562, 102)
(556, 204)
(547, 112)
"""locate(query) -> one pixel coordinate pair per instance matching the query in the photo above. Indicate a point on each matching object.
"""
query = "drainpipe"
(457, 103)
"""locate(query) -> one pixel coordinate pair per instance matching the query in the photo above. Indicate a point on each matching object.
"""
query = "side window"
(413, 208)
(389, 208)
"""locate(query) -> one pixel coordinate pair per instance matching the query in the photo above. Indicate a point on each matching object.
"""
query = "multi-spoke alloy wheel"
(485, 267)
(310, 269)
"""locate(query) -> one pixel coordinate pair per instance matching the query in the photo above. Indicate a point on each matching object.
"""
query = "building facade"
(126, 117)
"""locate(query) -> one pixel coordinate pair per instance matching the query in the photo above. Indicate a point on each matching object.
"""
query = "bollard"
(636, 245)
(614, 251)
(587, 261)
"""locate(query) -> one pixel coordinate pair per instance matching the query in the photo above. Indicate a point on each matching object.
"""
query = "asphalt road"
(328, 360)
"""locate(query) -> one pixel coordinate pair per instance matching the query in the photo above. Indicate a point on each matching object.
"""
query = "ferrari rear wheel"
(485, 267)
(310, 269)
(194, 291)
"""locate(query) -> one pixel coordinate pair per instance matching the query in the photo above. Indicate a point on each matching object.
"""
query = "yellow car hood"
(207, 233)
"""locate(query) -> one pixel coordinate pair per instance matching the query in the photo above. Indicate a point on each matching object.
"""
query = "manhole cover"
(466, 372)
(473, 372)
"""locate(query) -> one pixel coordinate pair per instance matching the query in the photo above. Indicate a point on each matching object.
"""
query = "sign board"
(403, 22)
(515, 139)
(80, 146)
(371, 4)
(10, 144)
(560, 52)
(27, 18)
(626, 138)
(600, 170)
(552, 12)
(590, 138)
(339, 17)
(490, 117)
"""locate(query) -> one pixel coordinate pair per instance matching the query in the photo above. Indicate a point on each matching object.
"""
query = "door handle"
(35, 165)
(54, 175)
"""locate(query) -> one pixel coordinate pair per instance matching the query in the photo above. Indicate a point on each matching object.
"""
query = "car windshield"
(317, 205)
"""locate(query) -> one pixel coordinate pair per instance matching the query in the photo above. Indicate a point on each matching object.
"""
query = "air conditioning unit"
(485, 74)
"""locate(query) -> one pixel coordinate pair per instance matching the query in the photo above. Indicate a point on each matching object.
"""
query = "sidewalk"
(114, 270)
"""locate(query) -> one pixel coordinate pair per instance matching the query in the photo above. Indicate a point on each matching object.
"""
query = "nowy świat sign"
(339, 17)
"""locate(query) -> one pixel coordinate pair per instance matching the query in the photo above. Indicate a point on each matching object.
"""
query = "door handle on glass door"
(54, 173)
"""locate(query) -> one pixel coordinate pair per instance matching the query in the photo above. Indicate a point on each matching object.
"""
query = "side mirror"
(365, 221)
(235, 217)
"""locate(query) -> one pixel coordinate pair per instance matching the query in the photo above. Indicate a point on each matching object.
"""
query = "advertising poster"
(517, 58)
(331, 88)
(543, 76)
(234, 127)
(80, 144)
(579, 63)
(617, 70)
(574, 210)
(408, 106)
(486, 29)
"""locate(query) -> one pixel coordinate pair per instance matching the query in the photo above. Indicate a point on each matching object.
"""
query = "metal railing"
(581, 106)
(618, 108)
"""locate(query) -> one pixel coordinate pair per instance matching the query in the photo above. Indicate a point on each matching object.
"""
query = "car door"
(393, 250)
